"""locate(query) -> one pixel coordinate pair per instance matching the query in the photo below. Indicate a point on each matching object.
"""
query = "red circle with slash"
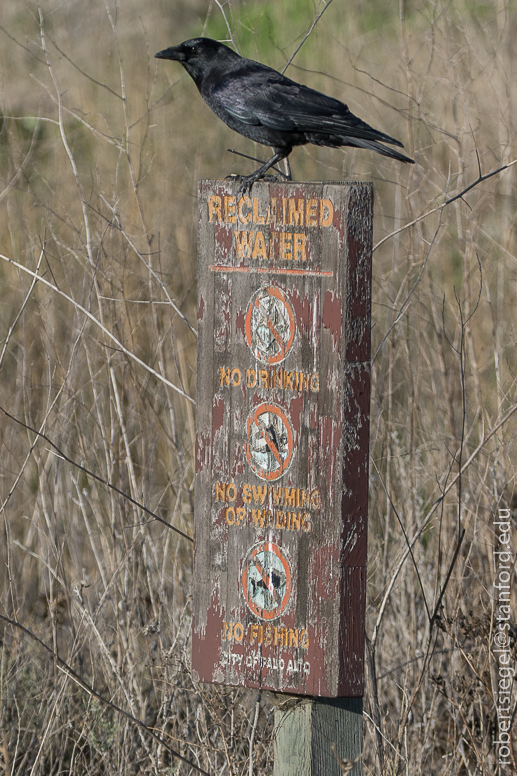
(266, 580)
(269, 325)
(270, 446)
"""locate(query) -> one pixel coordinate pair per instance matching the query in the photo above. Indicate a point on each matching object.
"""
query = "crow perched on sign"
(269, 108)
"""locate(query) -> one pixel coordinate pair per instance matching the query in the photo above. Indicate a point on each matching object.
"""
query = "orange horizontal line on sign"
(264, 270)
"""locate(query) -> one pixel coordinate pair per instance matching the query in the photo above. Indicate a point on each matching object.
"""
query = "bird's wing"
(253, 96)
(261, 96)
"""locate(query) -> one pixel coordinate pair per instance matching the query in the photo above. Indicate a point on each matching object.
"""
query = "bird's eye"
(193, 49)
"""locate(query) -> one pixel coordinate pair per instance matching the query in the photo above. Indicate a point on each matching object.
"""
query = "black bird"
(265, 106)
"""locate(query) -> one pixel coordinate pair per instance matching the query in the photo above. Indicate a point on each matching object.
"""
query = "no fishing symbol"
(269, 325)
(270, 445)
(266, 580)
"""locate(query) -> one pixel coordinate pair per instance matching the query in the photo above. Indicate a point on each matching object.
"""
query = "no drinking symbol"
(270, 445)
(269, 325)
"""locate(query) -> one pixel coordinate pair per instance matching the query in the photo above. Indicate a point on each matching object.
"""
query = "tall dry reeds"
(101, 148)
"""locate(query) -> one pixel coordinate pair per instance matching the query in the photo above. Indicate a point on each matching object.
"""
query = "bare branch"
(85, 686)
(89, 473)
(444, 204)
(101, 326)
(316, 20)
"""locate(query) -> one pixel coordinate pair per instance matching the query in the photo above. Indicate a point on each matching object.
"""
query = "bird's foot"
(245, 187)
(247, 181)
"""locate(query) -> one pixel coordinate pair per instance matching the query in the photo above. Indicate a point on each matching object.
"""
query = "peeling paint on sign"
(284, 286)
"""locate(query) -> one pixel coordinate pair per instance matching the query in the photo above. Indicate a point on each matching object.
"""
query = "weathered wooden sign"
(284, 285)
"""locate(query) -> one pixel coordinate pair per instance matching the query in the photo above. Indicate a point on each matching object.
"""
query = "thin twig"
(365, 714)
(253, 159)
(25, 161)
(22, 308)
(252, 735)
(118, 225)
(95, 476)
(408, 297)
(428, 515)
(85, 686)
(79, 70)
(406, 538)
(106, 331)
(449, 201)
(316, 20)
(448, 576)
(66, 145)
(228, 25)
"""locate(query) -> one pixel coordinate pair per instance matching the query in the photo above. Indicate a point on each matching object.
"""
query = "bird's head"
(198, 56)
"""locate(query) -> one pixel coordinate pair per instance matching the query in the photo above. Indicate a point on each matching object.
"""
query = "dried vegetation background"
(101, 148)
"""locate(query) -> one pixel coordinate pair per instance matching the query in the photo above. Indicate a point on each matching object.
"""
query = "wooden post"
(284, 288)
(311, 736)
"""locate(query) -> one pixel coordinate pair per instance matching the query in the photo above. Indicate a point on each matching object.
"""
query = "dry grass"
(99, 162)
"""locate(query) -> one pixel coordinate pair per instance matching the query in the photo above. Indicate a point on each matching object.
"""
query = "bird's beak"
(174, 52)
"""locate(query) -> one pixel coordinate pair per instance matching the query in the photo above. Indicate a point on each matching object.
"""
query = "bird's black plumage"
(269, 108)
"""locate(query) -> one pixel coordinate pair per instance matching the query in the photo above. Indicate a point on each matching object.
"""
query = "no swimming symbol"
(270, 446)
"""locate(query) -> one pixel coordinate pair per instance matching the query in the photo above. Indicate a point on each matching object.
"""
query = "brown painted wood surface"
(284, 287)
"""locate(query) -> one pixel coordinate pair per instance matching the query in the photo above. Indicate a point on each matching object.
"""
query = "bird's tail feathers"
(373, 145)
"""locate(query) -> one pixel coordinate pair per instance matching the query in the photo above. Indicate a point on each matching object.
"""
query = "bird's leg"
(247, 181)
(287, 166)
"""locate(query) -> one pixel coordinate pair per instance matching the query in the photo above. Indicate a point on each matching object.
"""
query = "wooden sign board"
(284, 286)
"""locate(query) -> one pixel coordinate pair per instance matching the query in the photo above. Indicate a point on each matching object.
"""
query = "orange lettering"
(214, 208)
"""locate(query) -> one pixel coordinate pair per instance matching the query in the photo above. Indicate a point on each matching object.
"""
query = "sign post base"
(313, 734)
